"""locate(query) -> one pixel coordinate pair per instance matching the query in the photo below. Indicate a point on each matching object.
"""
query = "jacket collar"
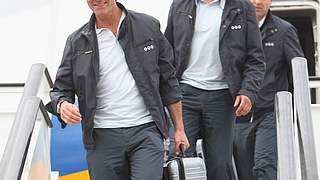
(232, 7)
(90, 33)
(268, 28)
(89, 29)
(231, 10)
(221, 2)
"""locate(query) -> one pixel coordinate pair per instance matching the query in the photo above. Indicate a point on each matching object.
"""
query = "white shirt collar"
(222, 2)
(261, 22)
(99, 30)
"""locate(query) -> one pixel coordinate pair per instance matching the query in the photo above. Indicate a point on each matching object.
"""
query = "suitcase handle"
(181, 147)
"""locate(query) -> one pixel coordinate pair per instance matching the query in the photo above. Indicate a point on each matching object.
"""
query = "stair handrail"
(24, 119)
(12, 162)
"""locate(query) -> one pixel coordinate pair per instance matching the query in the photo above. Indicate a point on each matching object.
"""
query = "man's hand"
(181, 138)
(179, 135)
(243, 105)
(69, 113)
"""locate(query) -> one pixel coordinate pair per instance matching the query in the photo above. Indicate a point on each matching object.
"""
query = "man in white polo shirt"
(119, 66)
(219, 63)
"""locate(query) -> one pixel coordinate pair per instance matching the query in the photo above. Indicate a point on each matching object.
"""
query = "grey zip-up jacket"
(281, 44)
(240, 46)
(151, 69)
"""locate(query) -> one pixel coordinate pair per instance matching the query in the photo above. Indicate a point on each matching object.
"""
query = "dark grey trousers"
(210, 115)
(134, 153)
(255, 148)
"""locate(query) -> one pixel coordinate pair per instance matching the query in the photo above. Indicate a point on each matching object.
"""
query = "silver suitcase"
(186, 168)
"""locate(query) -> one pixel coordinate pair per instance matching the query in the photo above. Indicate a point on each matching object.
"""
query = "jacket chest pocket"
(82, 67)
(235, 24)
(237, 27)
(148, 54)
(272, 48)
(83, 62)
(236, 33)
(182, 25)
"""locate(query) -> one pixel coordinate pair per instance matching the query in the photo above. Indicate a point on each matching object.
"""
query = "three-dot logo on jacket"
(236, 27)
(148, 48)
(269, 44)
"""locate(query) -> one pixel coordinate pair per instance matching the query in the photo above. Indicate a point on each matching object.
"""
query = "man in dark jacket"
(255, 144)
(119, 66)
(220, 65)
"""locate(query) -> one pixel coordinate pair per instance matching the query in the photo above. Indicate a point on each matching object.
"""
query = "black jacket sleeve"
(291, 45)
(169, 29)
(292, 49)
(63, 88)
(169, 86)
(254, 67)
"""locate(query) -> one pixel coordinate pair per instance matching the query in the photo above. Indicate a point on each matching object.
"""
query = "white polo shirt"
(119, 102)
(261, 22)
(204, 70)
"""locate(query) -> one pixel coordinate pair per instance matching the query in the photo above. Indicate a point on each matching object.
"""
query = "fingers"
(244, 106)
(237, 101)
(241, 108)
(181, 138)
(186, 146)
(70, 113)
(177, 148)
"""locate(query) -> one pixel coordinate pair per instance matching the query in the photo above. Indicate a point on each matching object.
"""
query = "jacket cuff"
(52, 108)
(171, 97)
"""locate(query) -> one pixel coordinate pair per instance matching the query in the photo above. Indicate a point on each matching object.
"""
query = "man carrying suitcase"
(220, 65)
(255, 143)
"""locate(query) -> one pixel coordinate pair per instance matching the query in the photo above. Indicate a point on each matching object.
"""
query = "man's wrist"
(59, 106)
(179, 129)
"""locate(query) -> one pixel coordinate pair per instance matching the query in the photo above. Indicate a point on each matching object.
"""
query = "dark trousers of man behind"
(210, 115)
(134, 153)
(255, 147)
